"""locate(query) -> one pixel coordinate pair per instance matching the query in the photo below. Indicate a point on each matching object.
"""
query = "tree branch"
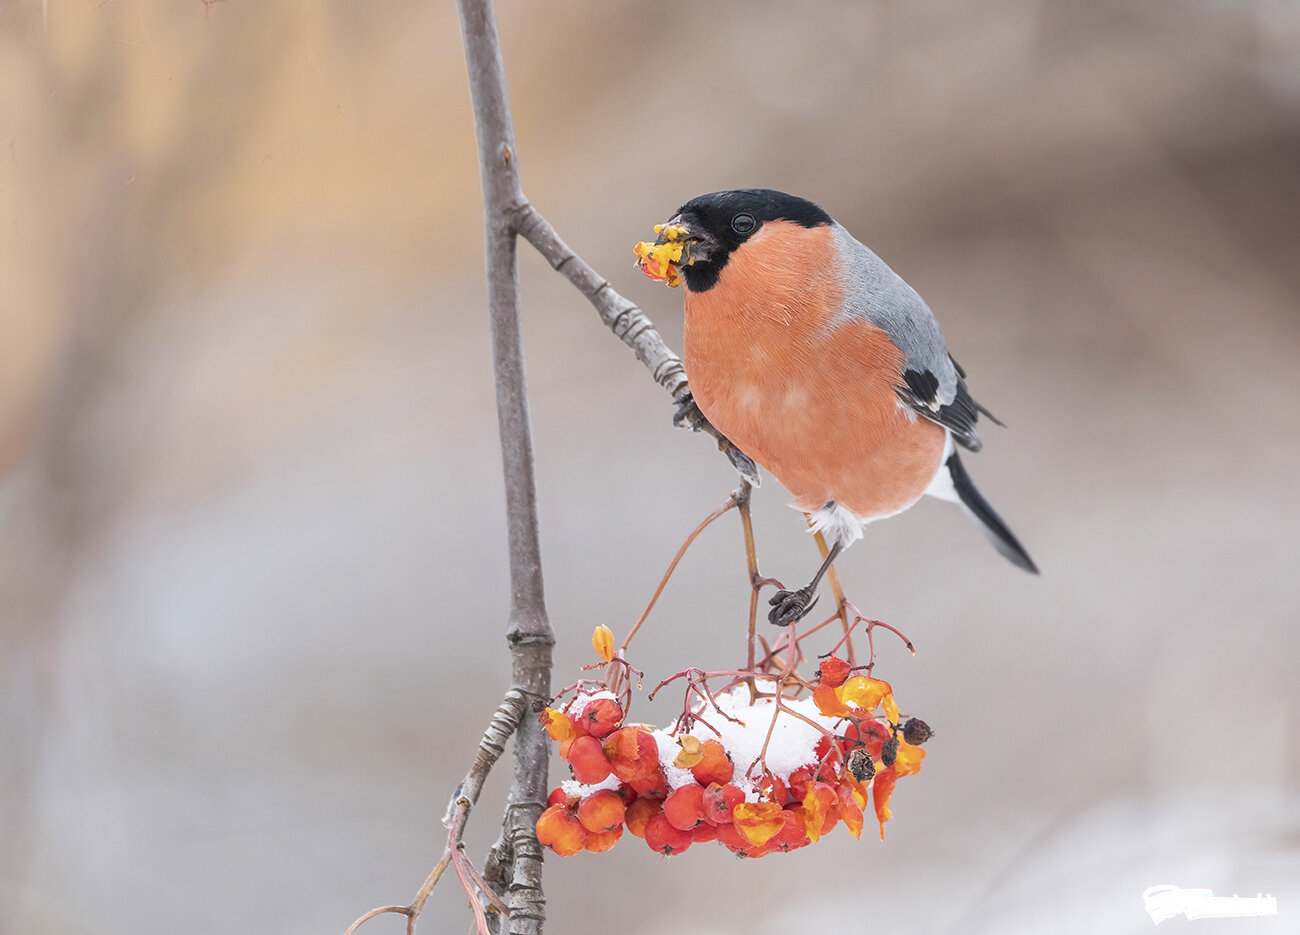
(529, 634)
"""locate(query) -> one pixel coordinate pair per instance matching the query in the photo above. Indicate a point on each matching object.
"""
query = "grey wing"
(933, 385)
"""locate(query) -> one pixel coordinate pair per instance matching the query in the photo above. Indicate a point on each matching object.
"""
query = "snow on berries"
(762, 765)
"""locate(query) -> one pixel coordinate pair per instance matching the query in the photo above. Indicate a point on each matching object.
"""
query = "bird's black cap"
(725, 220)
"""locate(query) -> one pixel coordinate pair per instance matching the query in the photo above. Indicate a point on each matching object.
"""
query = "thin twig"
(833, 577)
(506, 719)
(672, 566)
(400, 910)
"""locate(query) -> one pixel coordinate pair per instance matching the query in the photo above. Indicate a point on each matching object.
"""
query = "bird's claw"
(688, 414)
(790, 606)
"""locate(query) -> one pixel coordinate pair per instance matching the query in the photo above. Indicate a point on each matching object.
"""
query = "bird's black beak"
(697, 245)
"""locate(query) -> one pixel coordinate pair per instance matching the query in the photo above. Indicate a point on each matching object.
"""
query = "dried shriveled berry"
(889, 752)
(916, 731)
(861, 766)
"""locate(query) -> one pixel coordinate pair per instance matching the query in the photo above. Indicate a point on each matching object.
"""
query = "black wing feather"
(921, 393)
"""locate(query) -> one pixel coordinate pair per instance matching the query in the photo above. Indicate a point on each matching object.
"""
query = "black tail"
(1002, 537)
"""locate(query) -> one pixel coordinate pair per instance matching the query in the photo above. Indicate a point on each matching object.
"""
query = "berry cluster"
(779, 773)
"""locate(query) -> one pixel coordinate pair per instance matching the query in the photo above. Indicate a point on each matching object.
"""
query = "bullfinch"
(818, 361)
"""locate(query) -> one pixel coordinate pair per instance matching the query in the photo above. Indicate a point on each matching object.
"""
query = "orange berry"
(601, 717)
(588, 761)
(850, 810)
(601, 811)
(653, 784)
(715, 766)
(684, 808)
(557, 797)
(632, 753)
(602, 841)
(639, 813)
(558, 724)
(820, 809)
(561, 831)
(664, 838)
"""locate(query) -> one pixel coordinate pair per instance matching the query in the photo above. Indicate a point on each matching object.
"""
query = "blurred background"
(252, 564)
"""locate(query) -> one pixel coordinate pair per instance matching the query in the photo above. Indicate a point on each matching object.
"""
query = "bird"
(818, 361)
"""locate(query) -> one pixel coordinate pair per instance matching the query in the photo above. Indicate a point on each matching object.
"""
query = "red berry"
(588, 761)
(833, 671)
(719, 801)
(740, 845)
(601, 717)
(777, 791)
(684, 808)
(704, 833)
(664, 838)
(557, 797)
(798, 781)
(871, 733)
(794, 835)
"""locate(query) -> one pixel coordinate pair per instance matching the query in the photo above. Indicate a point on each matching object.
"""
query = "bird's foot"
(688, 414)
(790, 606)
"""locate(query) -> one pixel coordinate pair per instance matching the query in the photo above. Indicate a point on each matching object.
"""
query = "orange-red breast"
(824, 366)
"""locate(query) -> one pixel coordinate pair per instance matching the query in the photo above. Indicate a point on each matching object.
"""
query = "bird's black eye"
(743, 223)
